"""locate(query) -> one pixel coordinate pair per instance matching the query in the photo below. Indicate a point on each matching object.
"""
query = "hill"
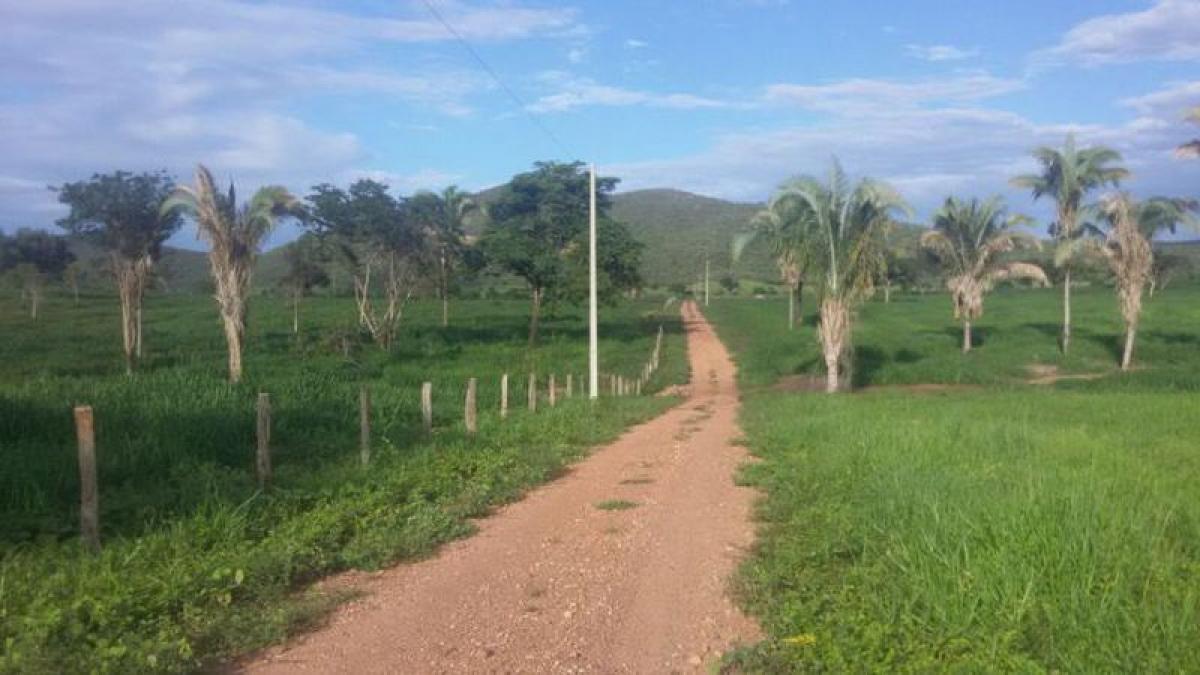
(680, 229)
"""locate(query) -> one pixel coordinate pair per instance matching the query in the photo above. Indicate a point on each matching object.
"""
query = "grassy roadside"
(198, 564)
(999, 528)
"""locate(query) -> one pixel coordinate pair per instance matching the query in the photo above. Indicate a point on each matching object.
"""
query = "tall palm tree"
(842, 228)
(1191, 149)
(234, 235)
(970, 238)
(1126, 247)
(1067, 175)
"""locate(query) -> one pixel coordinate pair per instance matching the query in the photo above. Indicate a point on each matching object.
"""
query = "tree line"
(835, 234)
(533, 228)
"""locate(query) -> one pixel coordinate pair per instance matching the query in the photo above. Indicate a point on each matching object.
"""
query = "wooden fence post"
(364, 424)
(427, 406)
(89, 492)
(262, 459)
(504, 396)
(550, 389)
(532, 392)
(469, 408)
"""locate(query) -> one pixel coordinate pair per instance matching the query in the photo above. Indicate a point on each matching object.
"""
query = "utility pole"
(593, 344)
(706, 281)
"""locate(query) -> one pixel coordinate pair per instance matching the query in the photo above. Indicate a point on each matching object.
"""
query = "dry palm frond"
(234, 237)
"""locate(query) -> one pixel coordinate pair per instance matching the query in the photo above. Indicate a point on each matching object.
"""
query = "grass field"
(1002, 527)
(199, 564)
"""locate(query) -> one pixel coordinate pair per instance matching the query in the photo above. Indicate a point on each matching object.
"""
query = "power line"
(495, 76)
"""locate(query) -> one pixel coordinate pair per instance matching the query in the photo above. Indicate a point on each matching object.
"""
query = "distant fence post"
(569, 392)
(532, 392)
(262, 459)
(364, 424)
(469, 408)
(504, 396)
(550, 389)
(427, 406)
(89, 492)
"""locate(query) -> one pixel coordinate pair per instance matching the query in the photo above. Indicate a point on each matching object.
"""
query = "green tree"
(120, 212)
(373, 236)
(1066, 176)
(235, 235)
(442, 216)
(305, 271)
(842, 229)
(970, 238)
(538, 231)
(36, 257)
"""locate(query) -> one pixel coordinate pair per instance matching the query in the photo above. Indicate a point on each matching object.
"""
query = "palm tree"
(778, 225)
(1131, 226)
(970, 238)
(1191, 149)
(234, 235)
(1067, 175)
(449, 238)
(842, 230)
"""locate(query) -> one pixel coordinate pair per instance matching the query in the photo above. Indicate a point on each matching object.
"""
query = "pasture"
(986, 523)
(198, 563)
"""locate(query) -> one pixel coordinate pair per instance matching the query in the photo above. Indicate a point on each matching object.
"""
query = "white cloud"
(926, 153)
(1168, 31)
(940, 52)
(859, 96)
(106, 84)
(633, 43)
(1173, 101)
(572, 93)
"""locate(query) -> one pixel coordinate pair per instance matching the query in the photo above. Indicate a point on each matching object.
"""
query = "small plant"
(616, 505)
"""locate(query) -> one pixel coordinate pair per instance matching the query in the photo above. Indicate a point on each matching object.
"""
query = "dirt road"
(554, 584)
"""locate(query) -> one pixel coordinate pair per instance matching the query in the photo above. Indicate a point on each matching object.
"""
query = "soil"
(1040, 373)
(553, 583)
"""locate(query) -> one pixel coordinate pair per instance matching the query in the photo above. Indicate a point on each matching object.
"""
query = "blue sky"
(722, 97)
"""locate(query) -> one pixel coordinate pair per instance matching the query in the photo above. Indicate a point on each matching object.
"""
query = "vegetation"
(1006, 526)
(841, 229)
(234, 235)
(33, 257)
(1067, 176)
(538, 231)
(120, 213)
(969, 239)
(197, 563)
(443, 216)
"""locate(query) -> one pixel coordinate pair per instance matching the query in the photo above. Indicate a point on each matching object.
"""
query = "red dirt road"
(553, 584)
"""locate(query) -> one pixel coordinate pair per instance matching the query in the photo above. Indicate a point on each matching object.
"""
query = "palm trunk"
(34, 298)
(966, 347)
(800, 302)
(834, 334)
(887, 293)
(791, 307)
(233, 337)
(1127, 356)
(138, 335)
(296, 314)
(75, 290)
(534, 316)
(1065, 343)
(445, 294)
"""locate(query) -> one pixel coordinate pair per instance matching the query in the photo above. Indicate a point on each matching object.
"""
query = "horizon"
(721, 98)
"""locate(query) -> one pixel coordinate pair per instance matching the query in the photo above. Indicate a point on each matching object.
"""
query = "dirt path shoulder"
(553, 583)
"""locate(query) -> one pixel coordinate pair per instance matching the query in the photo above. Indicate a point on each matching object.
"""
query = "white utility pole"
(706, 281)
(593, 344)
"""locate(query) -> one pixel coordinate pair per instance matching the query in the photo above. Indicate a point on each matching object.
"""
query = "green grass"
(1007, 527)
(198, 564)
(616, 505)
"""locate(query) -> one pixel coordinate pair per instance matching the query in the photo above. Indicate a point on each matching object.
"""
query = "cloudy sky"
(721, 97)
